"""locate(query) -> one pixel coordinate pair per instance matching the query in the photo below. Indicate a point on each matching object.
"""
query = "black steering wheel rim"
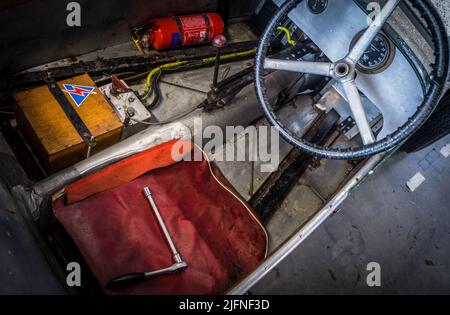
(439, 76)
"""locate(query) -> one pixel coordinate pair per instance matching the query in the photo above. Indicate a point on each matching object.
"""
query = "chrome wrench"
(124, 281)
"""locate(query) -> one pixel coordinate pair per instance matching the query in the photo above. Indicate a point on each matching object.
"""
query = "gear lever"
(219, 42)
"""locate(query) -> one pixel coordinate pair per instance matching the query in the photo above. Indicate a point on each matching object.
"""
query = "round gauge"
(317, 6)
(378, 56)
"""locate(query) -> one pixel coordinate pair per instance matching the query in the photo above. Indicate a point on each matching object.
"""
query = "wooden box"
(50, 133)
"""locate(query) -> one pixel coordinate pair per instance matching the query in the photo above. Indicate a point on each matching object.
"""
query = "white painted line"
(415, 182)
(446, 151)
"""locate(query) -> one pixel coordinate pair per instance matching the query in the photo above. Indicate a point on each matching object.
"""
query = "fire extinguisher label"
(195, 37)
(195, 29)
(192, 22)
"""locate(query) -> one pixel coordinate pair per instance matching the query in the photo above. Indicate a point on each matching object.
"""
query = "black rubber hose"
(155, 89)
(434, 93)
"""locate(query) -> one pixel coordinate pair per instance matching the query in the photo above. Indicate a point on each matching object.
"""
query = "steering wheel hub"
(342, 69)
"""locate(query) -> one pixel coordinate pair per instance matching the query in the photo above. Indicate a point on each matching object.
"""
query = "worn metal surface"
(317, 185)
(246, 176)
(267, 200)
(126, 104)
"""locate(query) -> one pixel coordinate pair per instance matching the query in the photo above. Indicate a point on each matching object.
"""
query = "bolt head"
(131, 112)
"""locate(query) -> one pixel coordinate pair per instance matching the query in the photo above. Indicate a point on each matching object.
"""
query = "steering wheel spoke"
(317, 68)
(359, 114)
(369, 35)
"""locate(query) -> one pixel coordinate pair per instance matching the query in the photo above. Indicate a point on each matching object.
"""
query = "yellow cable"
(288, 34)
(230, 56)
(148, 83)
(178, 64)
(137, 44)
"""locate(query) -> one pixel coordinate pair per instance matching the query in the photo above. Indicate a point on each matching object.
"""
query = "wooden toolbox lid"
(49, 121)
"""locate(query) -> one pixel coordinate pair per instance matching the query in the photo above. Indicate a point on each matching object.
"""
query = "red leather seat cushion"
(117, 233)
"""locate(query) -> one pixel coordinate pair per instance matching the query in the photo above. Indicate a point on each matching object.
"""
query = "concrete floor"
(407, 233)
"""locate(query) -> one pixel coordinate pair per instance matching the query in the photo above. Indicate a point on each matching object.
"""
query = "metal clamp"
(73, 116)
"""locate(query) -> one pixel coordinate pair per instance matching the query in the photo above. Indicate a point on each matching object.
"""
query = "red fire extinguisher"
(180, 31)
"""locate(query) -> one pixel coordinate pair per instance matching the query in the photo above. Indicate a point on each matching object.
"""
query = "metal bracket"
(73, 116)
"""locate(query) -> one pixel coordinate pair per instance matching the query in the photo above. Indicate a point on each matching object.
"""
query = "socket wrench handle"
(161, 222)
(135, 278)
(124, 281)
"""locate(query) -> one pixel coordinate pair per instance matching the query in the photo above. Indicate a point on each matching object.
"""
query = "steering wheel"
(344, 72)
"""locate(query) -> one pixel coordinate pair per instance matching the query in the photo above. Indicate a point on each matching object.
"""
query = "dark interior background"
(35, 32)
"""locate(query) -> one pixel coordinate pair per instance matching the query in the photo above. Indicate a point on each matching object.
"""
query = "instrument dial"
(378, 56)
(317, 6)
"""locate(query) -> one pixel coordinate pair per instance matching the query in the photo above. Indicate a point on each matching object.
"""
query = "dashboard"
(389, 74)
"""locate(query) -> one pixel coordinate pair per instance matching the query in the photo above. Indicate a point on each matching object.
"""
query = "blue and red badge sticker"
(78, 93)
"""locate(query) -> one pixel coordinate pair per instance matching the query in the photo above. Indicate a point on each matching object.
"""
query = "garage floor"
(407, 233)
